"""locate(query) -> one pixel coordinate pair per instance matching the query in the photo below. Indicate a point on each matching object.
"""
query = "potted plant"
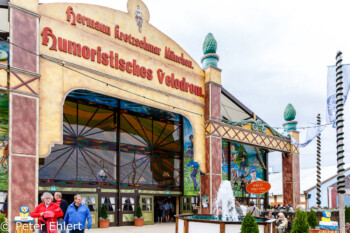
(138, 219)
(249, 224)
(300, 223)
(312, 220)
(103, 222)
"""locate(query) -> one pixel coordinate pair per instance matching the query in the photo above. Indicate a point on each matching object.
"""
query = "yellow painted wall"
(57, 81)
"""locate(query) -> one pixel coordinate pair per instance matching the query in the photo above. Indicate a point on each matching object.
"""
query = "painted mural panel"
(191, 167)
(4, 152)
(4, 51)
(225, 152)
(247, 165)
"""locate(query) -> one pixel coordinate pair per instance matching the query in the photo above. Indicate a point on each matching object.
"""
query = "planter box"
(314, 230)
(138, 222)
(103, 223)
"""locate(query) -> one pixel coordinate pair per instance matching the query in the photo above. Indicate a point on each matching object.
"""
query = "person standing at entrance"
(76, 216)
(166, 210)
(63, 204)
(161, 213)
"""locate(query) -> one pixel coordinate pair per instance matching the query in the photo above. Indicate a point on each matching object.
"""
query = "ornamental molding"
(250, 137)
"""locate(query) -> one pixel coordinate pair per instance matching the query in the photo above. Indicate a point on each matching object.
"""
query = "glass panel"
(107, 202)
(126, 204)
(150, 152)
(88, 152)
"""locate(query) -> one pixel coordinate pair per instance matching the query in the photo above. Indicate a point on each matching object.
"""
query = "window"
(186, 203)
(109, 202)
(128, 204)
(146, 203)
(88, 152)
(150, 145)
(90, 201)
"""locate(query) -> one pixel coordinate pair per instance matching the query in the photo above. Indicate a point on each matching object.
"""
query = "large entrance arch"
(119, 150)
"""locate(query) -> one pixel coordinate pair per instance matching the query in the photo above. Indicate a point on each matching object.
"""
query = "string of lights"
(63, 64)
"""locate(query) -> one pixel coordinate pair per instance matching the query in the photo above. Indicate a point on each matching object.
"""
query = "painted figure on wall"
(195, 167)
(191, 167)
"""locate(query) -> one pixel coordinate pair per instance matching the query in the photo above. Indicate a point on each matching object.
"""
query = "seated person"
(270, 215)
(281, 223)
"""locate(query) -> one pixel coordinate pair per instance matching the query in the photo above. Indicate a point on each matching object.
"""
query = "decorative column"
(23, 107)
(318, 185)
(210, 182)
(290, 161)
(340, 141)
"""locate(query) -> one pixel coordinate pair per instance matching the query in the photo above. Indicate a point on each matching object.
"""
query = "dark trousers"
(76, 231)
(193, 177)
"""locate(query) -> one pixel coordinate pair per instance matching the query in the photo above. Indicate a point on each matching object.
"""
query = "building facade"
(101, 103)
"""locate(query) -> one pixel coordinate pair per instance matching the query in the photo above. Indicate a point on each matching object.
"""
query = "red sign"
(258, 187)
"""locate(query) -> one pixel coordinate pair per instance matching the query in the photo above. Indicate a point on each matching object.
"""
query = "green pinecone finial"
(210, 44)
(289, 113)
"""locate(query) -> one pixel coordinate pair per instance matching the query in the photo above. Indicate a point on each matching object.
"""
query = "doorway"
(164, 209)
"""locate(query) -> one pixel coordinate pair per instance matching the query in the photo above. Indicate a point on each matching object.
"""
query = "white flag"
(331, 91)
(312, 133)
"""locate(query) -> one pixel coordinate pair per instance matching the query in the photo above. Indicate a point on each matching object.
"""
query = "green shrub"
(2, 223)
(249, 224)
(103, 212)
(347, 214)
(312, 219)
(300, 224)
(138, 212)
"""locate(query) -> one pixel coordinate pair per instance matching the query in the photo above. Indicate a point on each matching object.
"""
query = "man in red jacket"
(47, 212)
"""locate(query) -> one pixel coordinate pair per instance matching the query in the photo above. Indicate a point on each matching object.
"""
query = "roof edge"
(240, 104)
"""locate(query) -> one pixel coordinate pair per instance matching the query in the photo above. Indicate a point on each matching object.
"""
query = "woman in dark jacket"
(63, 205)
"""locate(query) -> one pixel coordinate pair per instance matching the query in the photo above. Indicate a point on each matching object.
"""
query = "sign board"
(167, 192)
(258, 187)
(53, 188)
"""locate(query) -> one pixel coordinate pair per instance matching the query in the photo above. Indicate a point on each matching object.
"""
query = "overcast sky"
(271, 53)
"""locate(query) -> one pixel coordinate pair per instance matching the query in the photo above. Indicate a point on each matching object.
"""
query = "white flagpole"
(340, 139)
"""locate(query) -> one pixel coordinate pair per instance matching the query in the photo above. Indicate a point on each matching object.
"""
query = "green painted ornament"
(209, 44)
(289, 113)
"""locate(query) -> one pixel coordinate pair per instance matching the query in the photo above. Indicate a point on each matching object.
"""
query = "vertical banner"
(191, 167)
(4, 152)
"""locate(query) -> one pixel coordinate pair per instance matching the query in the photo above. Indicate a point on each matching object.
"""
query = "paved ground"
(156, 228)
